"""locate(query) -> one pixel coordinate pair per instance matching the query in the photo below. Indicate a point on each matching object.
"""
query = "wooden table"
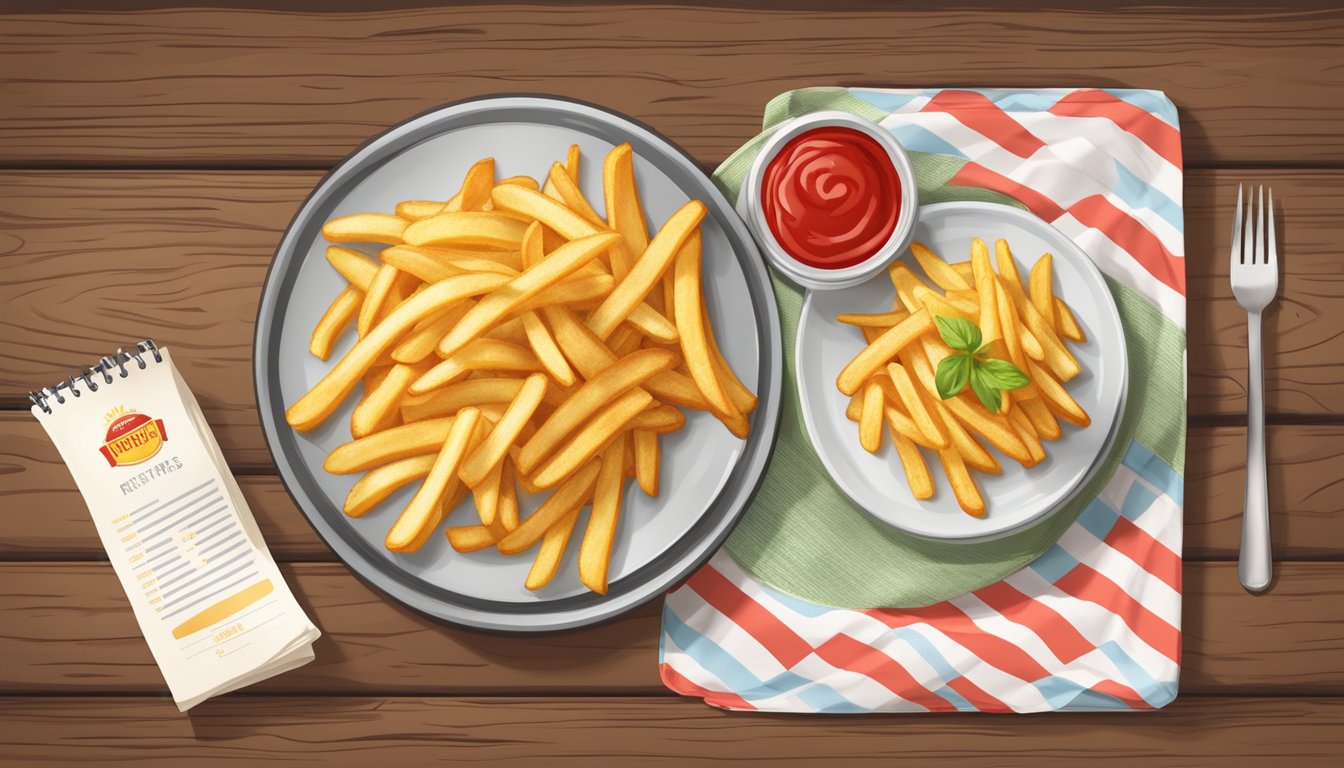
(149, 160)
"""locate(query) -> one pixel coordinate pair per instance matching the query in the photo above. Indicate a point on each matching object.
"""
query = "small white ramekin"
(846, 277)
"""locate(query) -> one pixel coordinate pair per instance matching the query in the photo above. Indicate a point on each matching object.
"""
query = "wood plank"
(286, 88)
(1305, 495)
(93, 261)
(69, 630)
(593, 733)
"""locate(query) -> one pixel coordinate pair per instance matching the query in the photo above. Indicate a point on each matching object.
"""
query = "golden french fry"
(357, 268)
(578, 292)
(384, 399)
(380, 482)
(1041, 419)
(963, 485)
(473, 538)
(1056, 398)
(425, 510)
(628, 451)
(554, 268)
(625, 213)
(590, 355)
(490, 453)
(940, 272)
(651, 323)
(939, 306)
(486, 494)
(1008, 324)
(572, 163)
(967, 273)
(1027, 433)
(1068, 324)
(434, 264)
(743, 399)
(984, 290)
(414, 210)
(476, 185)
(916, 469)
(883, 320)
(1003, 257)
(570, 195)
(521, 181)
(648, 269)
(334, 321)
(691, 328)
(1030, 346)
(388, 445)
(659, 420)
(1042, 291)
(319, 402)
(884, 348)
(646, 462)
(604, 387)
(483, 354)
(909, 396)
(589, 439)
(572, 494)
(870, 417)
(376, 298)
(478, 393)
(535, 205)
(905, 283)
(544, 347)
(595, 551)
(508, 498)
(553, 544)
(425, 336)
(482, 228)
(365, 228)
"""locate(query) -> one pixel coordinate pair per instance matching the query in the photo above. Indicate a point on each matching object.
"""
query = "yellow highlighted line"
(224, 608)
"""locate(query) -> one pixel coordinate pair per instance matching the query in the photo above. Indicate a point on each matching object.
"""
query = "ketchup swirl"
(831, 197)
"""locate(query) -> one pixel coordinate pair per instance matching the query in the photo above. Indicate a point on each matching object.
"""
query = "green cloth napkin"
(803, 536)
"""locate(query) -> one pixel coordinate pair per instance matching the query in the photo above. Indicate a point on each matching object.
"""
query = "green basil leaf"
(952, 374)
(989, 396)
(1001, 374)
(958, 333)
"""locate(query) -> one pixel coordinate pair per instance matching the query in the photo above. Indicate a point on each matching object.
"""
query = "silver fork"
(1255, 280)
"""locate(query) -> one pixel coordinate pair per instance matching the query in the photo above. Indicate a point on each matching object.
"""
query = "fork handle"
(1255, 565)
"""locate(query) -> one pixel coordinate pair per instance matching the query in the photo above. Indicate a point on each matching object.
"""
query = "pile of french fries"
(892, 380)
(511, 336)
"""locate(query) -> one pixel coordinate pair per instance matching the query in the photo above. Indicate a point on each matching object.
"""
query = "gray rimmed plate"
(708, 476)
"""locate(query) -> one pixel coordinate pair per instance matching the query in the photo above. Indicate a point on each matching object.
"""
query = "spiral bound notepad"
(210, 601)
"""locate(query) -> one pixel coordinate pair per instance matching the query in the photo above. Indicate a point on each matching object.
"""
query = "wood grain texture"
(218, 86)
(69, 630)
(93, 261)
(1306, 494)
(597, 733)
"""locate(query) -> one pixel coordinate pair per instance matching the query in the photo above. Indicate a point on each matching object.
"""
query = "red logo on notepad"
(132, 437)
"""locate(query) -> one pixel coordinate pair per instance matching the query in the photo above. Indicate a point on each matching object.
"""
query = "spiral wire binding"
(106, 365)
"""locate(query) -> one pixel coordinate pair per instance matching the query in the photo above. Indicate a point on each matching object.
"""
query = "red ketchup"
(831, 197)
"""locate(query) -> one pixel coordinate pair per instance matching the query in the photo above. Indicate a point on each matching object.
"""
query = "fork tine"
(1260, 227)
(1248, 236)
(1272, 256)
(1236, 230)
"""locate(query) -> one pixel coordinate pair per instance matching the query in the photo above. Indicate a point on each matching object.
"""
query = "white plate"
(708, 475)
(1018, 497)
